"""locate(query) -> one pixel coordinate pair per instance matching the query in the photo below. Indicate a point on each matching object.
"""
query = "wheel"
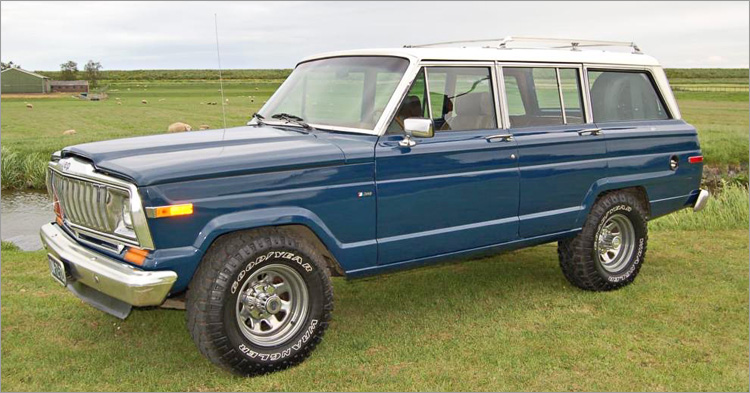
(260, 301)
(609, 251)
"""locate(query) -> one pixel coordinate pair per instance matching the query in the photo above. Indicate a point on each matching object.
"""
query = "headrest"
(411, 107)
(474, 104)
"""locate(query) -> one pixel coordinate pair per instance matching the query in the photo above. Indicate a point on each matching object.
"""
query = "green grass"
(509, 322)
(9, 246)
(722, 123)
(110, 76)
(727, 208)
(23, 170)
(29, 136)
(702, 74)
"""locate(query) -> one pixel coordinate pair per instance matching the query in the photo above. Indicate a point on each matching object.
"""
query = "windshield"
(346, 92)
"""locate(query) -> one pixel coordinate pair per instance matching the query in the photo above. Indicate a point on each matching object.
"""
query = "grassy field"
(509, 322)
(29, 135)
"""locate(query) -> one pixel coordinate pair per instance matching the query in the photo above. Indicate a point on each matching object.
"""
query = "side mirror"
(416, 127)
(419, 127)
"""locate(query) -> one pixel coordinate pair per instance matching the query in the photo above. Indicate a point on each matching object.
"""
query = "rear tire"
(259, 302)
(610, 249)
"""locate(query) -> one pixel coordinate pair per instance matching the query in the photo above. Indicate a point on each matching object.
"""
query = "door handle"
(502, 137)
(590, 131)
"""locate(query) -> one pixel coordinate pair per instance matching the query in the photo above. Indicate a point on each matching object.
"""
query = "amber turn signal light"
(136, 256)
(170, 211)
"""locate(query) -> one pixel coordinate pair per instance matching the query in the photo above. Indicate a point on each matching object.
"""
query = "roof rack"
(551, 43)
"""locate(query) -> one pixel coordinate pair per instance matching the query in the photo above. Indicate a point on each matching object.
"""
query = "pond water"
(22, 213)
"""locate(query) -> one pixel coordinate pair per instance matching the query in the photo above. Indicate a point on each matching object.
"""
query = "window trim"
(582, 84)
(633, 69)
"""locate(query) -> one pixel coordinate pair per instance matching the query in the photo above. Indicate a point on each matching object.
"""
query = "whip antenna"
(221, 81)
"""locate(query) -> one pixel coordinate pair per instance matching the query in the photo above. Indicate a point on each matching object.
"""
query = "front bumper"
(92, 275)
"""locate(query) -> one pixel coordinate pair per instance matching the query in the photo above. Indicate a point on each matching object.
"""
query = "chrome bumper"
(700, 202)
(105, 275)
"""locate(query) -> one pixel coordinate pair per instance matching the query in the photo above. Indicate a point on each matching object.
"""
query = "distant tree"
(93, 72)
(69, 70)
(4, 65)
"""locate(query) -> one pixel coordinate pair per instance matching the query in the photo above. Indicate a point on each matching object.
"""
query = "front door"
(457, 190)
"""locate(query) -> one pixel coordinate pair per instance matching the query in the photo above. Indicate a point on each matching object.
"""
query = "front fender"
(257, 218)
(185, 260)
(350, 256)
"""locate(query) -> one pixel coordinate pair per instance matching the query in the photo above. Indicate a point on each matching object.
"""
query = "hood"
(201, 154)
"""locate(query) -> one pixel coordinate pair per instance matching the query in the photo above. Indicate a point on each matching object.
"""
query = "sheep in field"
(179, 127)
(144, 102)
(29, 106)
(69, 132)
(204, 127)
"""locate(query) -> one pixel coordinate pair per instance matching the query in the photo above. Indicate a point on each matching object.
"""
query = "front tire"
(610, 249)
(259, 302)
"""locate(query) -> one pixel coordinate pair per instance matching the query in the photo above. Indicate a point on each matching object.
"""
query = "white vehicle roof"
(585, 56)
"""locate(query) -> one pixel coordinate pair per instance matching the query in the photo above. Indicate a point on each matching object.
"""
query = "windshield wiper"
(293, 119)
(257, 116)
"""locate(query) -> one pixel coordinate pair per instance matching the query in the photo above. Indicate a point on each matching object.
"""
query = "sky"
(181, 35)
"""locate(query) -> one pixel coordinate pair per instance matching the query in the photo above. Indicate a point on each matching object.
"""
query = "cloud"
(142, 35)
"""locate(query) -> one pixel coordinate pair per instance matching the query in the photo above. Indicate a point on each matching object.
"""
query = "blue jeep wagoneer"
(372, 160)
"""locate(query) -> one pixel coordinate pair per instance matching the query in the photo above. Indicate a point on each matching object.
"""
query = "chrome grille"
(97, 206)
(84, 203)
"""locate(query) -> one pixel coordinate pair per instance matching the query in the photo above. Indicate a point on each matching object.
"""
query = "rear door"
(561, 155)
(457, 190)
(642, 137)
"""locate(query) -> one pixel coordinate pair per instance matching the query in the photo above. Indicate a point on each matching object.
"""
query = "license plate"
(57, 269)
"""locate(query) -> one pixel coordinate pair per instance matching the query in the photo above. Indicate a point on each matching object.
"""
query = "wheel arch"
(599, 191)
(294, 221)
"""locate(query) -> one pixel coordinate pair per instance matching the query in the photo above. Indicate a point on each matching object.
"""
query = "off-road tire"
(578, 258)
(211, 303)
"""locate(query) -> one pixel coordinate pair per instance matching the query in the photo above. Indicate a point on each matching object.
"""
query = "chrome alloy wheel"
(615, 243)
(271, 305)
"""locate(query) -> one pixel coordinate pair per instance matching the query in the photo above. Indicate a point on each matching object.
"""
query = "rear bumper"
(102, 274)
(700, 202)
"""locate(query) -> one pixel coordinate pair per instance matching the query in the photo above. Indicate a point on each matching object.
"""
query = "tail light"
(695, 159)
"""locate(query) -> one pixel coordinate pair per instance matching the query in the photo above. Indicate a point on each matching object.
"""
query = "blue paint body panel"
(452, 192)
(378, 206)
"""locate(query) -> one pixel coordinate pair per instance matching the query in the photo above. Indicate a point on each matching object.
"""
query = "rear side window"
(543, 96)
(624, 96)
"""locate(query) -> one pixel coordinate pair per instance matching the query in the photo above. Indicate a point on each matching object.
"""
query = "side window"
(513, 95)
(539, 94)
(624, 96)
(461, 99)
(534, 96)
(572, 99)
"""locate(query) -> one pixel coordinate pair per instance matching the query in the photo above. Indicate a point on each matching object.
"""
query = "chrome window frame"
(668, 101)
(582, 85)
(83, 171)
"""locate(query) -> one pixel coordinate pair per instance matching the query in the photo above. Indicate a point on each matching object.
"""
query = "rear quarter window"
(624, 96)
